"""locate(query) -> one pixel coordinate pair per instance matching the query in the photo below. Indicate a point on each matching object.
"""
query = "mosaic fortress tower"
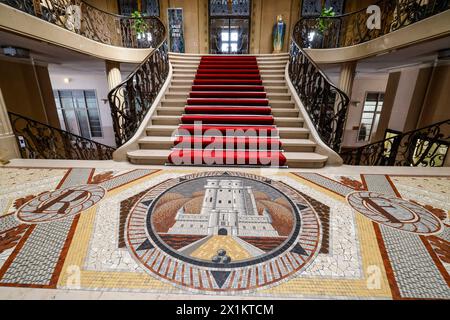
(229, 208)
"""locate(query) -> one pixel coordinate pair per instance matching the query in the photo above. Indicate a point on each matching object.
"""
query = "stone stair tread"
(155, 139)
(281, 82)
(298, 142)
(293, 129)
(149, 154)
(305, 157)
(292, 119)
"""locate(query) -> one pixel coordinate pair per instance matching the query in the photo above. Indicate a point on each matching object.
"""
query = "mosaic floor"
(217, 233)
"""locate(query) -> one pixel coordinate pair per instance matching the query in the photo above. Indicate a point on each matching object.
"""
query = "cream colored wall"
(416, 97)
(89, 81)
(403, 99)
(436, 105)
(27, 91)
(361, 86)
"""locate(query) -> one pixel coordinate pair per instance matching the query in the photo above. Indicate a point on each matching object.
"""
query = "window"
(370, 115)
(147, 7)
(312, 8)
(229, 26)
(78, 112)
(229, 41)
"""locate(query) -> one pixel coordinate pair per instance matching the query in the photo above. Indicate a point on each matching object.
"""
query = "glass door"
(229, 26)
(229, 36)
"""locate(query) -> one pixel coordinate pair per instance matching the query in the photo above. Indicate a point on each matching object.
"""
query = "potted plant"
(317, 36)
(139, 25)
(323, 21)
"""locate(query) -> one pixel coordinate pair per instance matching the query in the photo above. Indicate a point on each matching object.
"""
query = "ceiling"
(382, 64)
(60, 59)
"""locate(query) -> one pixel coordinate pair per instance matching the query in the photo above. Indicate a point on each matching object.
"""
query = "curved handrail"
(131, 100)
(41, 141)
(84, 19)
(419, 147)
(351, 28)
(325, 103)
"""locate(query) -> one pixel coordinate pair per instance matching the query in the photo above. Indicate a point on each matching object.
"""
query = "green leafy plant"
(323, 22)
(139, 24)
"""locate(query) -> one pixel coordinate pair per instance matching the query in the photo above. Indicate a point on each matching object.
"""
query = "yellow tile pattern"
(372, 263)
(209, 249)
(96, 279)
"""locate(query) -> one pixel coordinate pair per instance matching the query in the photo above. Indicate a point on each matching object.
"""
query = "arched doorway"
(223, 232)
(229, 26)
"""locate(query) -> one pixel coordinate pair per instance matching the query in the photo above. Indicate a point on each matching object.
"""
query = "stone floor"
(106, 230)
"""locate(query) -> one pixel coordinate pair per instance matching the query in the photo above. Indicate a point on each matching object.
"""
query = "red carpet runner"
(227, 119)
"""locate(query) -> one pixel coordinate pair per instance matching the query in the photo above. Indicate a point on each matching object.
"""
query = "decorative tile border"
(375, 261)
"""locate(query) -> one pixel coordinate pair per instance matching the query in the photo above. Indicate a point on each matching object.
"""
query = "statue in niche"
(279, 30)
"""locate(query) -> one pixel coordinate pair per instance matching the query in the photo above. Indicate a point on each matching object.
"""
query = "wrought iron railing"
(95, 24)
(422, 147)
(352, 28)
(131, 100)
(325, 104)
(37, 140)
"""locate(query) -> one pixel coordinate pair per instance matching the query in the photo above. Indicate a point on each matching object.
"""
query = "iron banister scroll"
(426, 146)
(86, 20)
(38, 140)
(356, 27)
(325, 104)
(131, 100)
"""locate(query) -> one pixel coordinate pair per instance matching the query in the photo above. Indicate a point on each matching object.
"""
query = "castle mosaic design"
(228, 208)
(296, 235)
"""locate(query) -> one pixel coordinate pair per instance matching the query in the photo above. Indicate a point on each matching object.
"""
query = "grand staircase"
(228, 93)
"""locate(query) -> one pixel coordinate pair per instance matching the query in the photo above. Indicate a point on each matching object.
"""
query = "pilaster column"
(347, 77)
(346, 85)
(114, 78)
(113, 74)
(8, 145)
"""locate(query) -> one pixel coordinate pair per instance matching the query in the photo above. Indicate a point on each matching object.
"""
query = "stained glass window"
(311, 8)
(222, 8)
(148, 7)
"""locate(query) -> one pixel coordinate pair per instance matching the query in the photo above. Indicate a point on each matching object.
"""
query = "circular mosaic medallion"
(394, 212)
(222, 232)
(59, 204)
